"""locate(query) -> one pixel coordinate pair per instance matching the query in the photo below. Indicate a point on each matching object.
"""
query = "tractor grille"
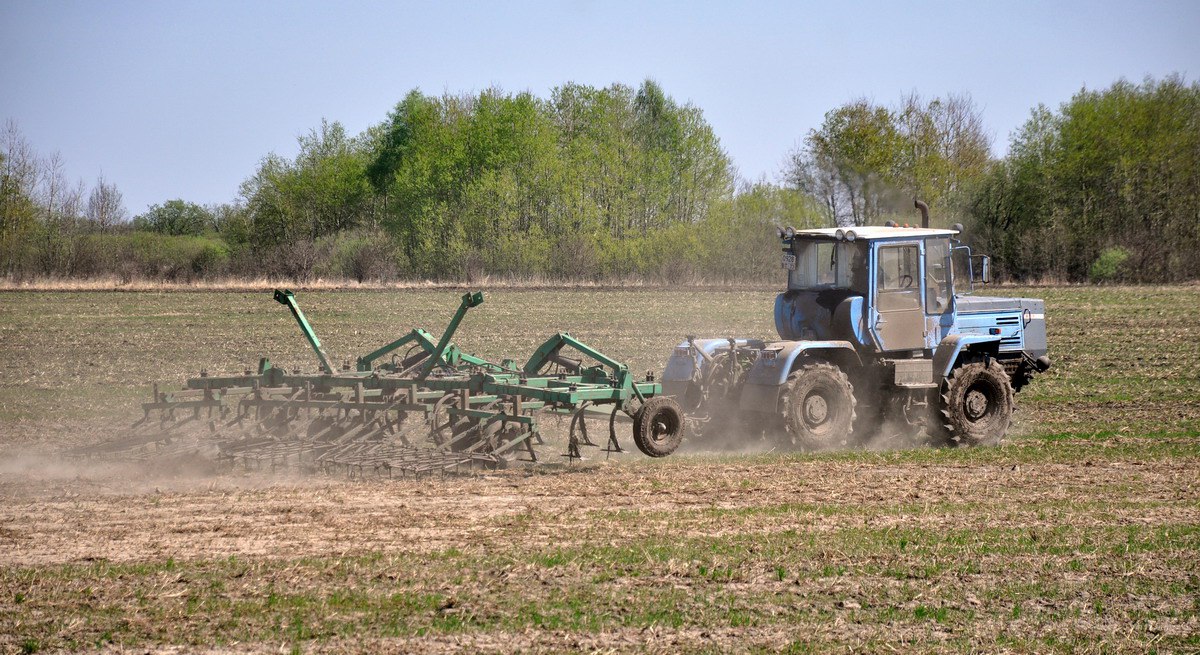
(1011, 343)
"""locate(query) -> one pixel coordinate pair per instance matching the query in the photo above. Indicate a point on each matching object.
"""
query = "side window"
(826, 264)
(937, 277)
(897, 278)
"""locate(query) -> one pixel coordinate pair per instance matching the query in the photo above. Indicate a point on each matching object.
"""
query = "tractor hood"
(1021, 320)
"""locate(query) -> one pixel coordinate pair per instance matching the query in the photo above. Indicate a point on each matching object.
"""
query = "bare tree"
(73, 204)
(105, 207)
(61, 206)
(944, 144)
(18, 183)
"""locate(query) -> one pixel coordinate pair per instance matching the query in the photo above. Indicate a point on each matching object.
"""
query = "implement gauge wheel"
(658, 426)
(818, 407)
(976, 405)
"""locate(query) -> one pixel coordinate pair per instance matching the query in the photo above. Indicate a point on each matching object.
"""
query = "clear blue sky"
(181, 99)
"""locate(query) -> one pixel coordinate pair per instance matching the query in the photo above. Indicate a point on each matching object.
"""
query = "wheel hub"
(816, 409)
(660, 430)
(976, 404)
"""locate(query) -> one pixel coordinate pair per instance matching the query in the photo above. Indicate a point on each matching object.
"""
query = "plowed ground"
(1080, 533)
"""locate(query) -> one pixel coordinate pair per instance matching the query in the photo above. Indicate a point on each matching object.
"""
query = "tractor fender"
(949, 350)
(761, 393)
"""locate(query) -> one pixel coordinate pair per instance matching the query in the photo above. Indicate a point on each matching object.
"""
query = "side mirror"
(984, 269)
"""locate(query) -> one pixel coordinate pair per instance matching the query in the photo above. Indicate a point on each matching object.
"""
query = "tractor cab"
(886, 288)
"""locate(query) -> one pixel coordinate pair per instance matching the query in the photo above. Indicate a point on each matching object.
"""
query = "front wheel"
(976, 405)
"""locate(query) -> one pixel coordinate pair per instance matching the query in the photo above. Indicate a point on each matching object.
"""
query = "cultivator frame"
(433, 409)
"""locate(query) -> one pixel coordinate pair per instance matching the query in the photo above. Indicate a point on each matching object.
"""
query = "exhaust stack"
(924, 212)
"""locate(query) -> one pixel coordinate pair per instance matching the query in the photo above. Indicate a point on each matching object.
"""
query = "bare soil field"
(1080, 533)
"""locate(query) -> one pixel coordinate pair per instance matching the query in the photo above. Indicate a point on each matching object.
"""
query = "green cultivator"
(429, 408)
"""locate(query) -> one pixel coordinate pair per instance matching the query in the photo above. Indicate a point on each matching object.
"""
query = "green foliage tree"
(18, 212)
(867, 160)
(176, 217)
(608, 182)
(509, 183)
(1113, 168)
(322, 191)
(738, 236)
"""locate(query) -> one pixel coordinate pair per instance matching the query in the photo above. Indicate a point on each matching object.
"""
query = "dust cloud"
(739, 436)
(33, 472)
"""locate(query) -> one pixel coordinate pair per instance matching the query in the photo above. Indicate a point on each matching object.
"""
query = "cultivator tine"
(613, 445)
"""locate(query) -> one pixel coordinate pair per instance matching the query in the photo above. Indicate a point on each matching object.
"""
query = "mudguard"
(761, 393)
(948, 351)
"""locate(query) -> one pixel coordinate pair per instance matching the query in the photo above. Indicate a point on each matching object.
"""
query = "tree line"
(1106, 187)
(619, 182)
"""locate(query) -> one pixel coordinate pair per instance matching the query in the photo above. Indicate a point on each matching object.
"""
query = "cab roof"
(874, 232)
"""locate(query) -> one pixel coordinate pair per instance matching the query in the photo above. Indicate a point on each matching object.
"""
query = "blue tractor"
(878, 327)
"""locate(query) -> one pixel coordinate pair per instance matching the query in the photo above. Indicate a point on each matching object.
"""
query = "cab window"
(937, 276)
(824, 264)
(897, 278)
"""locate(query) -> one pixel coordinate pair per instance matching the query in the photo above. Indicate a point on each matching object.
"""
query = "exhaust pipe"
(924, 212)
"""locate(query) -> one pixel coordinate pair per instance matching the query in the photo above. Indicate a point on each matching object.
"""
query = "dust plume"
(34, 472)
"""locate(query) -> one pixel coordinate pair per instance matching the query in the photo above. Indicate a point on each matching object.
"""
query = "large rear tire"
(818, 407)
(658, 426)
(976, 406)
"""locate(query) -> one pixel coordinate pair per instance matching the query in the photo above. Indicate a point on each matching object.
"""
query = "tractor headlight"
(840, 235)
(789, 232)
(850, 235)
(683, 351)
(768, 356)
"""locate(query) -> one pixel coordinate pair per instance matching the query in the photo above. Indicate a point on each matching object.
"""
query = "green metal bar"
(489, 415)
(547, 351)
(469, 300)
(421, 337)
(522, 438)
(184, 404)
(286, 297)
(622, 382)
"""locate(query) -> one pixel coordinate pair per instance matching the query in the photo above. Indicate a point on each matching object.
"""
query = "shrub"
(149, 255)
(362, 256)
(1108, 266)
(295, 260)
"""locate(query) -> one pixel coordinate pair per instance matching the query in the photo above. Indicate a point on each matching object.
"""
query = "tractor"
(879, 326)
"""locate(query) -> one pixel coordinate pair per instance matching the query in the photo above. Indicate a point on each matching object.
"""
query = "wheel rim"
(660, 430)
(662, 426)
(816, 410)
(980, 401)
(976, 404)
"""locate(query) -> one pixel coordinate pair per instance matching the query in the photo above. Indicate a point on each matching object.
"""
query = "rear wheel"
(976, 406)
(818, 407)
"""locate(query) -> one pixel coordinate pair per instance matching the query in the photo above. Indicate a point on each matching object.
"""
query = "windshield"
(822, 264)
